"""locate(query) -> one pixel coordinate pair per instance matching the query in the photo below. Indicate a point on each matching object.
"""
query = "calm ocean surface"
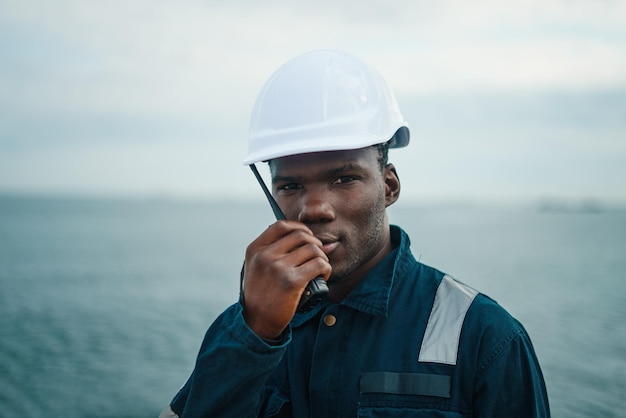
(104, 303)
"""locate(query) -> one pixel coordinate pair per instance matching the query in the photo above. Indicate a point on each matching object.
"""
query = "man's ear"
(392, 184)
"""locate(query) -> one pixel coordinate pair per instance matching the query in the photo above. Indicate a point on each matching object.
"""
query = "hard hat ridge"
(323, 100)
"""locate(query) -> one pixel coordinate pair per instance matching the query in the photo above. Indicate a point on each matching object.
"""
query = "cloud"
(157, 56)
(93, 81)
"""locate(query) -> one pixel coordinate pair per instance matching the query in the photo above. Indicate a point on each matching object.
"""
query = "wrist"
(262, 330)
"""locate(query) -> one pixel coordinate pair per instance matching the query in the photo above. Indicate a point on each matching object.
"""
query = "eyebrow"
(329, 173)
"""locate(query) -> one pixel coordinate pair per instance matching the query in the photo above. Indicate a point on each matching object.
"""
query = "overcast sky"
(505, 100)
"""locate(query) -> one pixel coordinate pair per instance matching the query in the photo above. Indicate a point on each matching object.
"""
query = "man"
(393, 338)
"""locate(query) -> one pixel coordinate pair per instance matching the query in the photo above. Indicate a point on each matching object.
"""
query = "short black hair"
(383, 154)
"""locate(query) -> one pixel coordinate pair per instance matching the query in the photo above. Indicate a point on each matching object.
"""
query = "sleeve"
(511, 384)
(230, 372)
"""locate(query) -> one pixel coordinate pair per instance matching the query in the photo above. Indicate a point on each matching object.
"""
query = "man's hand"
(279, 265)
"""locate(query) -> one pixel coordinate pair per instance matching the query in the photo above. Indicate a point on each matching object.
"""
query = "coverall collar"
(371, 296)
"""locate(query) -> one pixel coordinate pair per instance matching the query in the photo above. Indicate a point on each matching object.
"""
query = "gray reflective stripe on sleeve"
(406, 384)
(441, 340)
(168, 413)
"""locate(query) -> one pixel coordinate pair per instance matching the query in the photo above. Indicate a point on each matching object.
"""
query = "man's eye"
(344, 179)
(289, 186)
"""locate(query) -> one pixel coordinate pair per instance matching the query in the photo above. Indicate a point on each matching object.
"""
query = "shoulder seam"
(498, 350)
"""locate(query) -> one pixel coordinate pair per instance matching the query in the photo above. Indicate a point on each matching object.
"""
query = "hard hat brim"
(328, 143)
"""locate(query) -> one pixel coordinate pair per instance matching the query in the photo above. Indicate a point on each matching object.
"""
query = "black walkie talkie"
(317, 289)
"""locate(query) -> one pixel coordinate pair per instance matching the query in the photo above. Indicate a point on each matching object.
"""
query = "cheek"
(365, 211)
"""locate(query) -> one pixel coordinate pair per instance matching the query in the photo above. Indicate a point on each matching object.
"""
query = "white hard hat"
(323, 101)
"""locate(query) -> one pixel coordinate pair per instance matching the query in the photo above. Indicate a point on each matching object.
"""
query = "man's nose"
(316, 207)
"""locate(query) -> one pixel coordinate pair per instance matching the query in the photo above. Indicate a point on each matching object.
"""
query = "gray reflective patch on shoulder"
(443, 331)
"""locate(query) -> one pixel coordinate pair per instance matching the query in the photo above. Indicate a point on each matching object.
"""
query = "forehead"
(365, 158)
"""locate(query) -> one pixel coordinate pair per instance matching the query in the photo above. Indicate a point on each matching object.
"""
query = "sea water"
(104, 302)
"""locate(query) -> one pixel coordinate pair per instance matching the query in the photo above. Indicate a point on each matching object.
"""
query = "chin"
(339, 274)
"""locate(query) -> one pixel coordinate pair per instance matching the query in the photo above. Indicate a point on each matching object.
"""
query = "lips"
(329, 243)
(330, 247)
